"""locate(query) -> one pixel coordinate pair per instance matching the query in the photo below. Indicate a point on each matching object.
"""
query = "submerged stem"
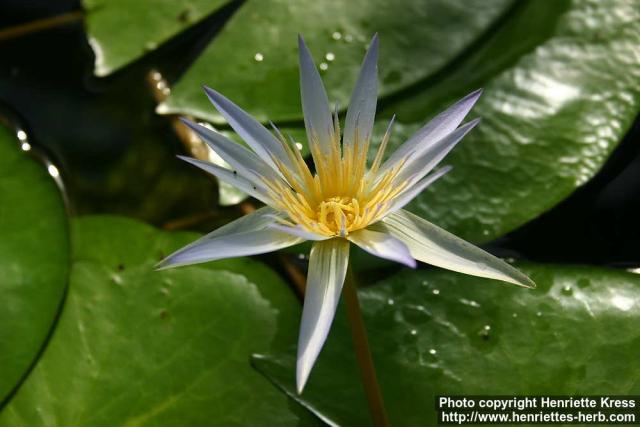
(363, 352)
(40, 25)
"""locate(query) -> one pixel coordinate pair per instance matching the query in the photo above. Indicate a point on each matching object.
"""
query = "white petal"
(248, 235)
(439, 127)
(433, 245)
(263, 143)
(410, 193)
(315, 104)
(327, 269)
(299, 232)
(247, 163)
(419, 165)
(232, 178)
(362, 107)
(383, 245)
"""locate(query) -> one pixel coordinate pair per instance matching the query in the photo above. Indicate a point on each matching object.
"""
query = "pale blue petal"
(383, 245)
(232, 178)
(433, 245)
(410, 193)
(247, 163)
(263, 143)
(420, 164)
(248, 235)
(327, 270)
(439, 127)
(299, 232)
(315, 104)
(362, 107)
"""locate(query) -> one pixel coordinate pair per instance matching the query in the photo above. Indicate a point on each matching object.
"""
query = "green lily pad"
(254, 60)
(561, 91)
(122, 31)
(135, 346)
(34, 258)
(436, 332)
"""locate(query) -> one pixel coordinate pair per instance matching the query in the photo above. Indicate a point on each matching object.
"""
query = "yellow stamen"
(342, 196)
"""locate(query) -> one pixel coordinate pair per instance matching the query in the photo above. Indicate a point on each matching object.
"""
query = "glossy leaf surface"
(135, 346)
(34, 257)
(439, 333)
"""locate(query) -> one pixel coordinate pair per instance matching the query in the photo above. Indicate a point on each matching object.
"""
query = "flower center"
(338, 214)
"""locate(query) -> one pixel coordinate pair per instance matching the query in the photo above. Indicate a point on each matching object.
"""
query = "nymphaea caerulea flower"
(345, 200)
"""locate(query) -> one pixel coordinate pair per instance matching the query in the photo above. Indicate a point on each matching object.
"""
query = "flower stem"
(363, 352)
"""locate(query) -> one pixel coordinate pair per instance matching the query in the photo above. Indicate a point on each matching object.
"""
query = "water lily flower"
(344, 200)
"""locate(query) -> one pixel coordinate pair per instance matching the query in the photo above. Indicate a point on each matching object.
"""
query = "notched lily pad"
(436, 332)
(121, 31)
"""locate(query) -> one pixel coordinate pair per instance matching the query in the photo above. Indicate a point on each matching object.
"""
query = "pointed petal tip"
(210, 92)
(217, 99)
(522, 280)
(162, 265)
(302, 45)
(473, 123)
(411, 263)
(530, 283)
(374, 41)
(184, 120)
(472, 98)
(213, 95)
(170, 262)
(302, 375)
(475, 94)
(189, 123)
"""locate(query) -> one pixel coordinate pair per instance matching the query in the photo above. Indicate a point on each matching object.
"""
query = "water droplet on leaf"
(53, 171)
(484, 332)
